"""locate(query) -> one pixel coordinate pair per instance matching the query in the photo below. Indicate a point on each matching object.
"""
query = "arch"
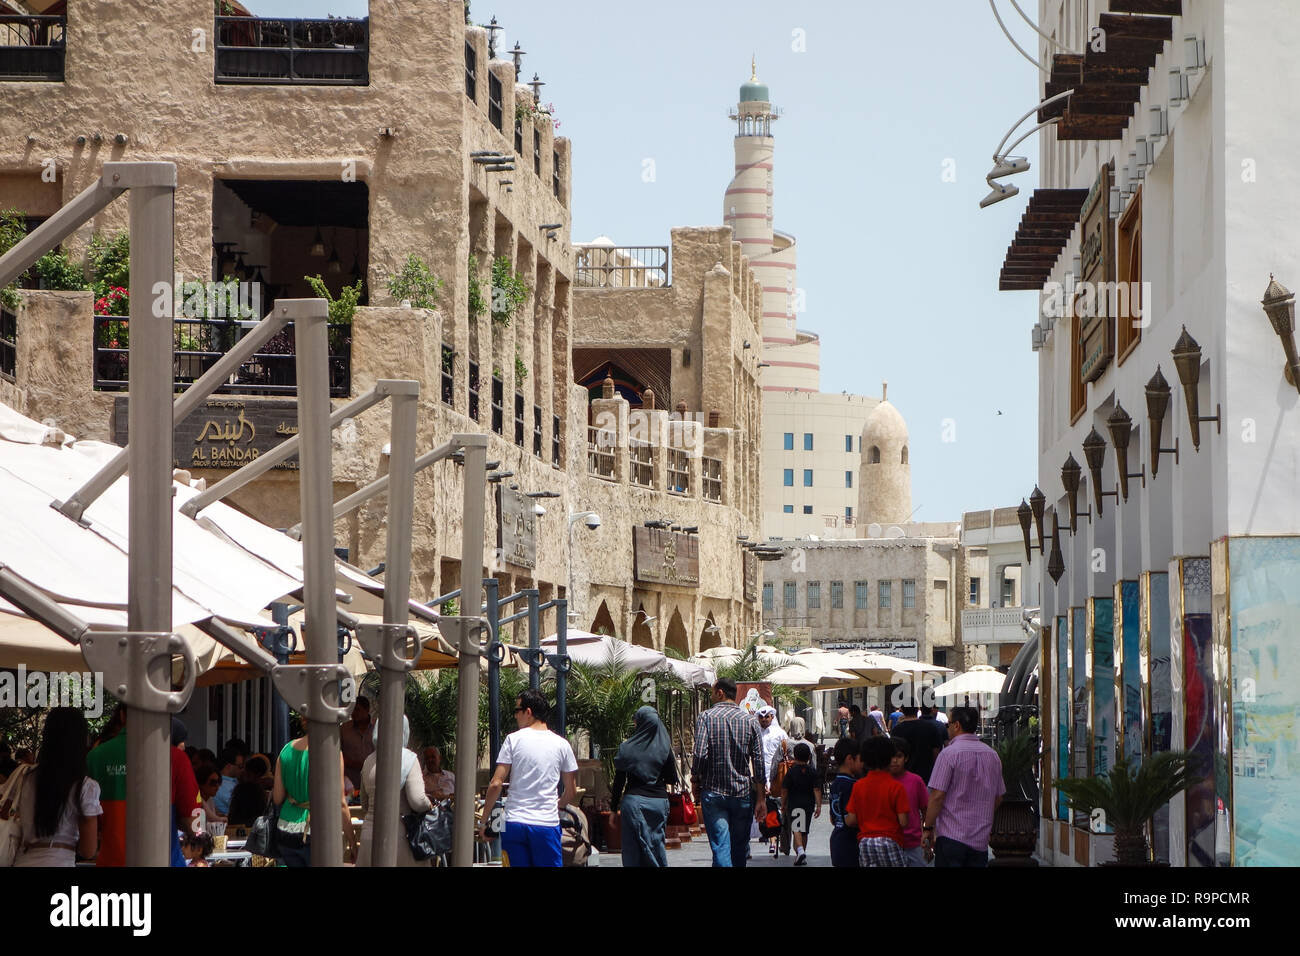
(675, 637)
(904, 458)
(603, 622)
(875, 455)
(641, 633)
(710, 639)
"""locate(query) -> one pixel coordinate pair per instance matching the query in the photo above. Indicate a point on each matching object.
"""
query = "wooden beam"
(1162, 8)
(1134, 54)
(1117, 109)
(1106, 72)
(1121, 93)
(1147, 28)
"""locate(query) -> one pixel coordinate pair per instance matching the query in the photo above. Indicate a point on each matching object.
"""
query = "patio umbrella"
(807, 678)
(980, 679)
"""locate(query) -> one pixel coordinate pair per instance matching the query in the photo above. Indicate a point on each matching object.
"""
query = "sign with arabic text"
(224, 432)
(516, 528)
(666, 557)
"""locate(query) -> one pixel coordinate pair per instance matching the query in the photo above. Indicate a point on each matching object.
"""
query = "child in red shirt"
(917, 795)
(878, 807)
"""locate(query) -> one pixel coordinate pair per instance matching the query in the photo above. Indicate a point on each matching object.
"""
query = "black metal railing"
(471, 72)
(537, 432)
(199, 343)
(32, 48)
(298, 52)
(519, 136)
(496, 115)
(537, 152)
(473, 390)
(621, 267)
(555, 174)
(448, 375)
(557, 440)
(8, 344)
(498, 405)
(519, 420)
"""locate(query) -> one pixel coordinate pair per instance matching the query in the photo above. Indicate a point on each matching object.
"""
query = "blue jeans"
(727, 821)
(528, 845)
(950, 852)
(644, 821)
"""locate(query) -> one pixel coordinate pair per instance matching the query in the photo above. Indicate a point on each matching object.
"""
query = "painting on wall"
(1130, 678)
(1265, 617)
(1104, 735)
(1160, 707)
(1079, 699)
(1198, 711)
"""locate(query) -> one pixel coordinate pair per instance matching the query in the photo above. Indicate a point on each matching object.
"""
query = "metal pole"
(397, 593)
(561, 668)
(279, 706)
(325, 786)
(474, 475)
(534, 639)
(149, 559)
(66, 221)
(492, 588)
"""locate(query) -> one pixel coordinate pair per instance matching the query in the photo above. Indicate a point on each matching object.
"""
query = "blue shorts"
(528, 845)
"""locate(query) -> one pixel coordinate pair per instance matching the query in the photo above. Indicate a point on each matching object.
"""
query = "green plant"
(1018, 755)
(415, 282)
(109, 261)
(1129, 795)
(477, 306)
(12, 231)
(59, 274)
(521, 371)
(451, 608)
(509, 291)
(341, 309)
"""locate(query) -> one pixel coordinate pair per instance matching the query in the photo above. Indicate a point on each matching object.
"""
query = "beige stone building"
(340, 148)
(1000, 596)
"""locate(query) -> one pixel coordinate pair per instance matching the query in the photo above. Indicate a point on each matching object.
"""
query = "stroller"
(575, 840)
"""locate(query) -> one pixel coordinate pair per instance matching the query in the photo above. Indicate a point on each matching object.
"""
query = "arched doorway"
(710, 634)
(641, 632)
(676, 636)
(603, 622)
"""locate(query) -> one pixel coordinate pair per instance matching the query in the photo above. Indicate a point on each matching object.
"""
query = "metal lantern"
(1187, 359)
(1120, 426)
(1036, 501)
(1026, 515)
(1279, 306)
(1056, 561)
(1157, 407)
(1070, 474)
(1094, 453)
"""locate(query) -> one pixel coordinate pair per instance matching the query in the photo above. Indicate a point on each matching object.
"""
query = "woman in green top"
(292, 796)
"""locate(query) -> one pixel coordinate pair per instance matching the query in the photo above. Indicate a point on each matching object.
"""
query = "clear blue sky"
(899, 267)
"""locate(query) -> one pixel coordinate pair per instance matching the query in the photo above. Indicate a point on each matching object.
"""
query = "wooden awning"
(1044, 231)
(1108, 82)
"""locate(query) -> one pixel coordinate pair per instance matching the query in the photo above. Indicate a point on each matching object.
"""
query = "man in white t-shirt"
(534, 761)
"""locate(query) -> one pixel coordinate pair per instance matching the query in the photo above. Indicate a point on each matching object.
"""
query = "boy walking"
(879, 808)
(917, 795)
(801, 800)
(844, 838)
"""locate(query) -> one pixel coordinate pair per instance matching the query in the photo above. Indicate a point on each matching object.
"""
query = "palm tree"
(1129, 796)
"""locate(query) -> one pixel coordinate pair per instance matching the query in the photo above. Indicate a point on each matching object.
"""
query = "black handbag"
(429, 833)
(263, 837)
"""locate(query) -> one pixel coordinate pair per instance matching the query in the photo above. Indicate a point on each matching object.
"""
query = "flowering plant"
(117, 301)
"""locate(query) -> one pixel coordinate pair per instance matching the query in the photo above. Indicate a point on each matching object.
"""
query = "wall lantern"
(1187, 358)
(1279, 306)
(1036, 501)
(1157, 405)
(1026, 516)
(1070, 474)
(1056, 561)
(1094, 453)
(1120, 426)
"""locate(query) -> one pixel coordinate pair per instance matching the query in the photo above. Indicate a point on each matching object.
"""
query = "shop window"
(1129, 265)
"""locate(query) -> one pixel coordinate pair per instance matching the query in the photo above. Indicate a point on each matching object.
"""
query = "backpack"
(783, 767)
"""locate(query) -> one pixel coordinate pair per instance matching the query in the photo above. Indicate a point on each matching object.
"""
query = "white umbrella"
(796, 675)
(980, 679)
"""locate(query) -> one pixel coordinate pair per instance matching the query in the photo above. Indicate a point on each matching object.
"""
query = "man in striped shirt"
(727, 772)
(965, 790)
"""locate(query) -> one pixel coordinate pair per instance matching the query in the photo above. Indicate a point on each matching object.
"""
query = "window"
(848, 479)
(860, 595)
(555, 174)
(1078, 387)
(787, 477)
(537, 431)
(519, 420)
(448, 375)
(789, 441)
(807, 509)
(975, 591)
(471, 76)
(904, 457)
(848, 444)
(807, 442)
(837, 595)
(498, 405)
(1008, 592)
(909, 594)
(787, 509)
(556, 438)
(768, 597)
(473, 390)
(1129, 267)
(495, 113)
(537, 151)
(848, 512)
(940, 658)
(807, 477)
(875, 455)
(789, 596)
(884, 597)
(814, 595)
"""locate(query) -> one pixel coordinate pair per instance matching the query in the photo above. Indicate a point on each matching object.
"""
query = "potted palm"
(1015, 822)
(1130, 795)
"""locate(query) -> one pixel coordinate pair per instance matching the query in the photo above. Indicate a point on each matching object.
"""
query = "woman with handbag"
(59, 804)
(413, 800)
(643, 769)
(291, 812)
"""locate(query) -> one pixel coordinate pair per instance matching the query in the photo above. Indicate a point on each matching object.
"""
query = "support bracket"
(121, 655)
(384, 644)
(307, 689)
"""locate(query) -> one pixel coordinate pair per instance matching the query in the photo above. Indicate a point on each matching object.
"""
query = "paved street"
(696, 852)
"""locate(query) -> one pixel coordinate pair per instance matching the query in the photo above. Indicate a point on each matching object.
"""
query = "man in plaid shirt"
(727, 772)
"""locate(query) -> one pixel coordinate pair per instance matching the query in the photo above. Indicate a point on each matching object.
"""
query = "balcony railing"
(32, 48)
(679, 472)
(621, 267)
(641, 462)
(998, 625)
(199, 343)
(293, 52)
(8, 344)
(600, 453)
(711, 478)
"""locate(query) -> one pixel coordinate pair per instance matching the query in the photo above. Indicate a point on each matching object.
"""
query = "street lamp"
(1157, 406)
(1279, 306)
(592, 520)
(1120, 426)
(1070, 474)
(1094, 452)
(1187, 359)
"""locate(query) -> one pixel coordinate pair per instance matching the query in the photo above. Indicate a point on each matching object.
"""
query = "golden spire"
(753, 69)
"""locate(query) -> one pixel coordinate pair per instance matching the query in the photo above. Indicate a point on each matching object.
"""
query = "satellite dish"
(873, 530)
(896, 532)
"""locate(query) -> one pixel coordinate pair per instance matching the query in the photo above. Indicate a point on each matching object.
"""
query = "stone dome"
(884, 425)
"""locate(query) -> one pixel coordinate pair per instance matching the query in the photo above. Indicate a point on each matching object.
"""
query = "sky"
(891, 115)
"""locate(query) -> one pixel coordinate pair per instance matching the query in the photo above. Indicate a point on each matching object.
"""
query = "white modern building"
(1169, 435)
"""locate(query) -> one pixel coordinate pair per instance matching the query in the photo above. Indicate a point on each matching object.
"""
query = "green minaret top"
(754, 91)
